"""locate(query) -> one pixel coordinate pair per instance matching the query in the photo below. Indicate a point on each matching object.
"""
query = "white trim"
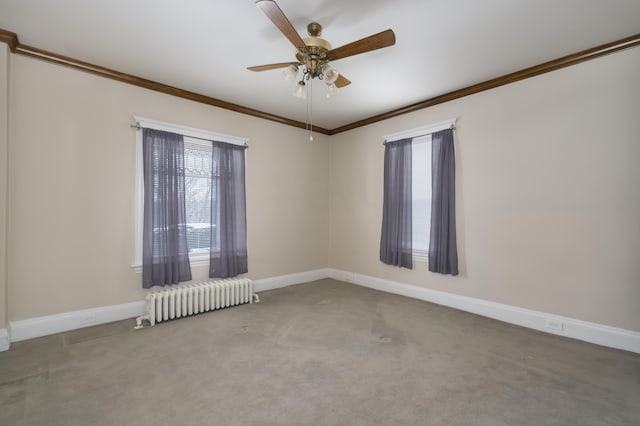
(195, 260)
(139, 206)
(421, 131)
(563, 326)
(189, 131)
(291, 279)
(58, 323)
(5, 341)
(264, 284)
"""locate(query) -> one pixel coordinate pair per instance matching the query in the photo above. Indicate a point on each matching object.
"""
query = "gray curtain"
(165, 256)
(443, 252)
(395, 241)
(228, 256)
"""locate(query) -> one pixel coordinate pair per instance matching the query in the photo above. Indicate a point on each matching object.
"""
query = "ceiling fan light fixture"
(301, 90)
(332, 89)
(290, 73)
(329, 74)
(313, 55)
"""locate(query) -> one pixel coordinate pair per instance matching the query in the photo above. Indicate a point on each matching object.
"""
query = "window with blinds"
(198, 194)
(200, 187)
(421, 195)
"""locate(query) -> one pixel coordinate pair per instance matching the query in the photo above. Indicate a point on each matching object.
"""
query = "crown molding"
(22, 49)
(15, 46)
(545, 67)
(55, 58)
(9, 38)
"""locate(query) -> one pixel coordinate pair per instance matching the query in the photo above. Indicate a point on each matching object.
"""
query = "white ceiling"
(204, 46)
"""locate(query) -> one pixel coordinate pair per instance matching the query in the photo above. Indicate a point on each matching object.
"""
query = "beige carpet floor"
(321, 353)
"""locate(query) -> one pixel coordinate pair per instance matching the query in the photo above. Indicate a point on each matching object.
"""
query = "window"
(421, 183)
(198, 187)
(421, 195)
(197, 163)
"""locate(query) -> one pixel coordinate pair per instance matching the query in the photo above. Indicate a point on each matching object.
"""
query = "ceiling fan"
(314, 53)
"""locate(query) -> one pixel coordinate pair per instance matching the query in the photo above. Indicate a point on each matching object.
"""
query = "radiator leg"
(256, 298)
(139, 321)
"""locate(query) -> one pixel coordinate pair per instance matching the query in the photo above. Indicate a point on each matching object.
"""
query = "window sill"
(195, 261)
(420, 255)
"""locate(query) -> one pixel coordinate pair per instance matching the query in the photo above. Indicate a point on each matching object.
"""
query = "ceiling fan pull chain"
(310, 109)
(306, 99)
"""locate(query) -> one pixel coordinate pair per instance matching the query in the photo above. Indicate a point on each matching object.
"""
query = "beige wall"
(71, 189)
(548, 194)
(547, 197)
(4, 132)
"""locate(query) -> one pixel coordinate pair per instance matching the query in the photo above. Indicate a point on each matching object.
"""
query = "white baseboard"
(291, 279)
(5, 342)
(569, 327)
(58, 323)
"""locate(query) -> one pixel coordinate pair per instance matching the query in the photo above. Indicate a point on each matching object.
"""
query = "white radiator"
(183, 300)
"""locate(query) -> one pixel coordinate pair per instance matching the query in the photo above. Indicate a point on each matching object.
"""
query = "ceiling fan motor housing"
(313, 56)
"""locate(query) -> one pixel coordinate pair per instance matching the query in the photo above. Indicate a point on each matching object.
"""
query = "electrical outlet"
(555, 325)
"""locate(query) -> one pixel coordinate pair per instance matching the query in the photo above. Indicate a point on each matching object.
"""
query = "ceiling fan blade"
(377, 41)
(271, 66)
(273, 12)
(341, 81)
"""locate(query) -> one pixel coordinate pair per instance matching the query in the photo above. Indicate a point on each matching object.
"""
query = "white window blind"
(421, 195)
(198, 193)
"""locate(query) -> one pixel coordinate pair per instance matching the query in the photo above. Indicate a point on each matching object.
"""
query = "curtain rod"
(421, 131)
(137, 126)
(452, 127)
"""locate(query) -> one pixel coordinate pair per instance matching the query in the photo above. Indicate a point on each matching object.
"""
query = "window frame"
(200, 259)
(421, 255)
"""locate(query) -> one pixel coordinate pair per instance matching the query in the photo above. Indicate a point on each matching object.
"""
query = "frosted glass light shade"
(290, 73)
(331, 90)
(300, 91)
(329, 74)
